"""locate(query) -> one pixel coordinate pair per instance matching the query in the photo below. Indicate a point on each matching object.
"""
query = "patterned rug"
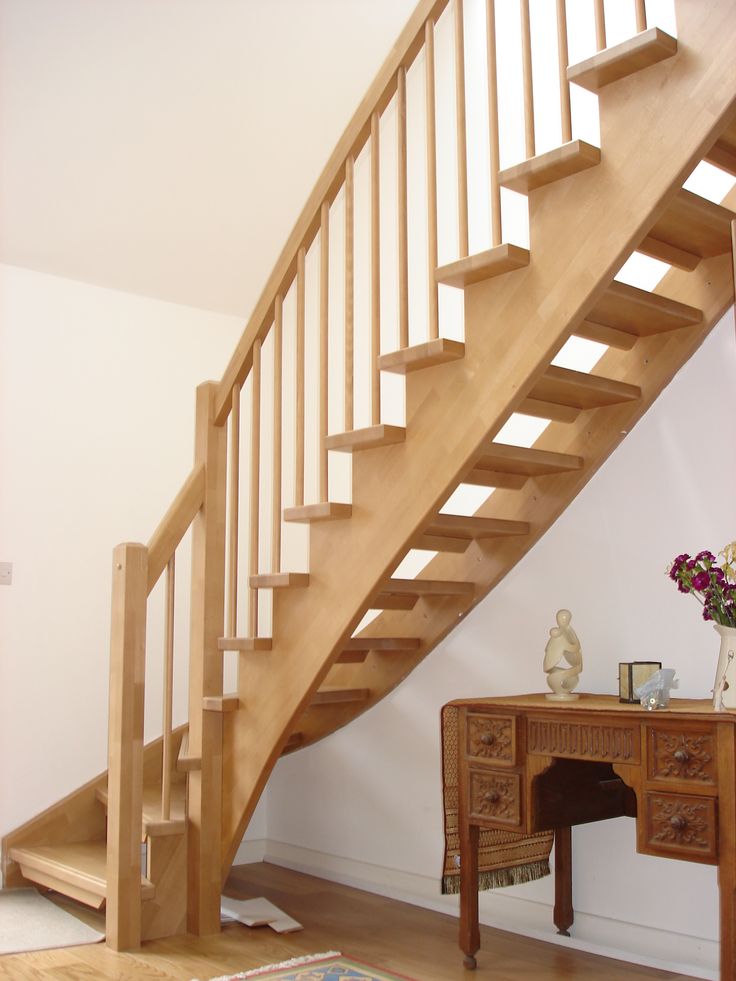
(330, 966)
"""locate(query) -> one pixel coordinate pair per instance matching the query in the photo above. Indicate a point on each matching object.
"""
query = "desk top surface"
(700, 707)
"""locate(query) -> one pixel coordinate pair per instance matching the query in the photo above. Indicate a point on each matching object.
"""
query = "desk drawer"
(495, 797)
(681, 826)
(612, 742)
(491, 738)
(681, 755)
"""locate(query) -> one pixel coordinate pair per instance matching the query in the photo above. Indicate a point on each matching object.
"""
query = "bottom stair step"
(332, 696)
(77, 869)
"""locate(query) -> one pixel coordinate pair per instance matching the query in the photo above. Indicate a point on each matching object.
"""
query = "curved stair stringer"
(655, 127)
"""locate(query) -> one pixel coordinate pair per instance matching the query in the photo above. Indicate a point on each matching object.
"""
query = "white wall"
(364, 805)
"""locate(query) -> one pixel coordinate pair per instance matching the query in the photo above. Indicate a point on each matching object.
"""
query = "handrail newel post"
(125, 749)
(204, 795)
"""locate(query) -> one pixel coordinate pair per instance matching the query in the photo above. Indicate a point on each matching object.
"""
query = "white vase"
(724, 689)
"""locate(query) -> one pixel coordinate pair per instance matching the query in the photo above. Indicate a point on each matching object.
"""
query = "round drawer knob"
(678, 822)
(492, 797)
(487, 738)
(681, 755)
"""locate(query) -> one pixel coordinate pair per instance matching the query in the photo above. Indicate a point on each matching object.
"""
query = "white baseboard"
(631, 942)
(252, 850)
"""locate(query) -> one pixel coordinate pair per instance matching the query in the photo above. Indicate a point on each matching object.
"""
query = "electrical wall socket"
(6, 573)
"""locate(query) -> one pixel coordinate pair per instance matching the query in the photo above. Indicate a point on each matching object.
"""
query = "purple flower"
(682, 587)
(701, 581)
(707, 613)
(705, 556)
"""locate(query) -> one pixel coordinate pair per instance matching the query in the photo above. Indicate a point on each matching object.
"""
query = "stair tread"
(632, 55)
(221, 703)
(640, 312)
(366, 439)
(691, 229)
(323, 511)
(723, 152)
(563, 161)
(540, 409)
(333, 695)
(82, 863)
(483, 265)
(184, 761)
(428, 587)
(527, 460)
(244, 644)
(474, 526)
(583, 390)
(152, 803)
(441, 350)
(604, 334)
(279, 580)
(382, 644)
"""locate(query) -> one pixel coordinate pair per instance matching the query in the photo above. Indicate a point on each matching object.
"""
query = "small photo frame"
(632, 674)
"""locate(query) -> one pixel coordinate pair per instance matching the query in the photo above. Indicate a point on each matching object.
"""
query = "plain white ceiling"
(166, 147)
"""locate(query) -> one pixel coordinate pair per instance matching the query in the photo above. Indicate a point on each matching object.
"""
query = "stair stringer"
(656, 126)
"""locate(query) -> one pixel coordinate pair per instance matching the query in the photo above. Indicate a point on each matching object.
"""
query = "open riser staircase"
(265, 445)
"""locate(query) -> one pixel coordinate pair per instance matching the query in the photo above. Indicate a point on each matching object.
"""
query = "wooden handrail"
(174, 524)
(352, 141)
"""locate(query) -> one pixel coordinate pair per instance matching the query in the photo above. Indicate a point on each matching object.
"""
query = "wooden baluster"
(349, 291)
(299, 439)
(233, 516)
(324, 381)
(462, 146)
(733, 254)
(403, 220)
(167, 756)
(278, 317)
(526, 50)
(433, 306)
(255, 482)
(375, 272)
(641, 15)
(600, 25)
(493, 122)
(562, 59)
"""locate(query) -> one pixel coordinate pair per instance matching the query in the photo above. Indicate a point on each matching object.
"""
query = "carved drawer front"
(584, 740)
(495, 797)
(492, 738)
(683, 826)
(677, 755)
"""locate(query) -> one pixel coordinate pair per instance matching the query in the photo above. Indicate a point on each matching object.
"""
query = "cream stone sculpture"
(563, 643)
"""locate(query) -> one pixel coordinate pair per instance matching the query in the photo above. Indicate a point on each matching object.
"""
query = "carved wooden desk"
(527, 764)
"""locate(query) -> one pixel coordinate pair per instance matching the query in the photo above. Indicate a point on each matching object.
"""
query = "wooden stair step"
(441, 350)
(357, 649)
(581, 390)
(623, 59)
(563, 161)
(548, 410)
(639, 312)
(152, 822)
(334, 696)
(428, 587)
(366, 439)
(77, 869)
(279, 580)
(221, 703)
(503, 460)
(723, 152)
(244, 644)
(691, 229)
(324, 511)
(394, 601)
(483, 265)
(185, 760)
(604, 334)
(458, 528)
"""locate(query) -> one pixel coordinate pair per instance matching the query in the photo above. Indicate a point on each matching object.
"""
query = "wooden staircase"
(588, 210)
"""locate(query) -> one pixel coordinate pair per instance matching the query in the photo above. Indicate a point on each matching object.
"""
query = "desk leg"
(563, 913)
(727, 848)
(469, 932)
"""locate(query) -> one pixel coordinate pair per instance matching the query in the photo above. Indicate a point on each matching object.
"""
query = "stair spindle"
(324, 384)
(276, 516)
(600, 25)
(167, 761)
(255, 489)
(493, 122)
(299, 440)
(641, 15)
(433, 302)
(562, 59)
(462, 147)
(375, 271)
(233, 516)
(349, 290)
(733, 255)
(403, 248)
(526, 52)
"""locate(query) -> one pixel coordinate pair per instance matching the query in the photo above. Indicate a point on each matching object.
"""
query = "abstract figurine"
(563, 643)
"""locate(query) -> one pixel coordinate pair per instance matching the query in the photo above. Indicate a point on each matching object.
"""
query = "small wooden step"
(603, 334)
(394, 601)
(357, 649)
(152, 822)
(483, 265)
(186, 761)
(366, 439)
(221, 703)
(639, 312)
(454, 528)
(244, 644)
(334, 696)
(520, 462)
(279, 580)
(540, 409)
(623, 59)
(691, 229)
(723, 152)
(426, 355)
(563, 161)
(426, 587)
(324, 511)
(78, 870)
(583, 391)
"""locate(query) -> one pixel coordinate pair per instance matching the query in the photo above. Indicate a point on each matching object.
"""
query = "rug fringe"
(294, 962)
(497, 878)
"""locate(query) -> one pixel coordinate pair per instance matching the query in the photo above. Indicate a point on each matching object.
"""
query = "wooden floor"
(402, 938)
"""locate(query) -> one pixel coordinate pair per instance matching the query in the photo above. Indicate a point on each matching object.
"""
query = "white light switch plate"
(6, 573)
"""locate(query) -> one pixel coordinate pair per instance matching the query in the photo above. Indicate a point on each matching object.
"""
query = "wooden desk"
(527, 764)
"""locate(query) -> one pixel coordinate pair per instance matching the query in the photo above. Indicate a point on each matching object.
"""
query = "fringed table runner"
(504, 857)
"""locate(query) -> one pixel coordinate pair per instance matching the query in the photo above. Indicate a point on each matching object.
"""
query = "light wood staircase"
(661, 112)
